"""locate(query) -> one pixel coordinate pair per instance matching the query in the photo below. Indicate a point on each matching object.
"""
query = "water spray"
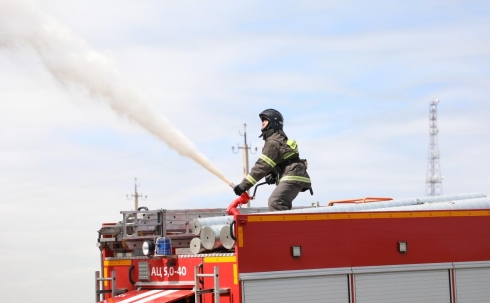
(74, 65)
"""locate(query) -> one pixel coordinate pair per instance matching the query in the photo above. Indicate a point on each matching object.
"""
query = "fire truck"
(427, 249)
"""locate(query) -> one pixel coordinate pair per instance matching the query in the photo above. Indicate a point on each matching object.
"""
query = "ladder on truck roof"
(144, 224)
(216, 290)
(166, 222)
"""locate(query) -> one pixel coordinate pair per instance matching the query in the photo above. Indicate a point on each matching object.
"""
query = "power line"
(136, 195)
(246, 149)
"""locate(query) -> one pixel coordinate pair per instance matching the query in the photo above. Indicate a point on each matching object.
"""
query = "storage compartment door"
(430, 286)
(473, 285)
(324, 289)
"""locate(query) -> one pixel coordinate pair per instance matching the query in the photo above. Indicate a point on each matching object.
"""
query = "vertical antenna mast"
(245, 149)
(433, 179)
(136, 195)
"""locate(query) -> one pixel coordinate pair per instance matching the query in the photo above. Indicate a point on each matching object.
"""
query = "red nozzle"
(243, 199)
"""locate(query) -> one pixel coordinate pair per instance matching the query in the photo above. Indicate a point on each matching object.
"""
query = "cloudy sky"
(352, 79)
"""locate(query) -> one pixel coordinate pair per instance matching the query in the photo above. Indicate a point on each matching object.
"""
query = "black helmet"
(275, 118)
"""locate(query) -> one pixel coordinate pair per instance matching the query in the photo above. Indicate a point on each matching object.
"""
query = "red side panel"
(151, 296)
(344, 240)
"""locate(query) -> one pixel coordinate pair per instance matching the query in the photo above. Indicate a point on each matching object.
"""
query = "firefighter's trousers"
(282, 197)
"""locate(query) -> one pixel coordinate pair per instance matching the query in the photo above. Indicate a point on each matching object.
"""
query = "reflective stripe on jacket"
(278, 149)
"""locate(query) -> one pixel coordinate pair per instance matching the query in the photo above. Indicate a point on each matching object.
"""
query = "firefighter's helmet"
(274, 117)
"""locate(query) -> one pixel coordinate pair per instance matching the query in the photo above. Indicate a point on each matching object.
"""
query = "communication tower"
(433, 178)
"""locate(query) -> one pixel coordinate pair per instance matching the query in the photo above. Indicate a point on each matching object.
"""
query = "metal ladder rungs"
(216, 290)
(205, 275)
(118, 291)
(121, 291)
(101, 291)
(211, 290)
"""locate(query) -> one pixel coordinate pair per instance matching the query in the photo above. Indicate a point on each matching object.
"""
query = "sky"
(352, 79)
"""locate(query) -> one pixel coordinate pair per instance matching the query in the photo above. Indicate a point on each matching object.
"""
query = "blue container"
(164, 246)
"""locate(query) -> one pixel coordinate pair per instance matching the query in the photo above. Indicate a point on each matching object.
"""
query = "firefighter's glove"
(239, 190)
(271, 178)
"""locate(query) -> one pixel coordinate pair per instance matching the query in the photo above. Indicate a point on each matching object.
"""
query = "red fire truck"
(430, 249)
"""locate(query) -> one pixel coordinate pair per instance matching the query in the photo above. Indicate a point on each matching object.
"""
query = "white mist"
(75, 66)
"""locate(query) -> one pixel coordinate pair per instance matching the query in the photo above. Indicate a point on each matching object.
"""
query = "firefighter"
(279, 163)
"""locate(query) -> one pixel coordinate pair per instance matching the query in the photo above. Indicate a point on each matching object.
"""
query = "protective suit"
(280, 162)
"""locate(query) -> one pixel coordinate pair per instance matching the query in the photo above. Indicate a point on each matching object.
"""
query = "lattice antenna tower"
(433, 178)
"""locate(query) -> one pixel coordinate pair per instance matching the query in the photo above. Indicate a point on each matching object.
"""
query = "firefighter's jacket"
(282, 156)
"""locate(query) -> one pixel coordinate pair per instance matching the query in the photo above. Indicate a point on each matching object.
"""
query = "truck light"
(402, 247)
(144, 271)
(296, 250)
(148, 248)
(164, 246)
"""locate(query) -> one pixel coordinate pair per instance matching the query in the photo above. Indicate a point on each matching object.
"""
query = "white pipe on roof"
(198, 224)
(481, 203)
(375, 205)
(210, 236)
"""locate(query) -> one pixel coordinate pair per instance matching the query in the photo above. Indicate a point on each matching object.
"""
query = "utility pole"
(246, 150)
(136, 195)
(433, 179)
